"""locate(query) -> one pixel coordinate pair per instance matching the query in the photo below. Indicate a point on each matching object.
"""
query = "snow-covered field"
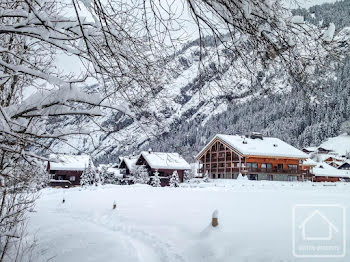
(171, 224)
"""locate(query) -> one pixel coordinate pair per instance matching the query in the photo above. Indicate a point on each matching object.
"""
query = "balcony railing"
(258, 170)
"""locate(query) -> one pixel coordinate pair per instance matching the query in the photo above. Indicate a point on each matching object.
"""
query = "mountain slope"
(192, 107)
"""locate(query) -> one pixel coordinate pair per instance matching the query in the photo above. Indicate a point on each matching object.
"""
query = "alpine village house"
(66, 170)
(164, 163)
(254, 156)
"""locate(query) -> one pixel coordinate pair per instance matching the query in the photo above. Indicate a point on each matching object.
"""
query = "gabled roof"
(130, 161)
(69, 162)
(310, 148)
(268, 146)
(162, 160)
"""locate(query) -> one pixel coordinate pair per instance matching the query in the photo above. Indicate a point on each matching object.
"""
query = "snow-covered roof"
(323, 169)
(130, 161)
(268, 146)
(310, 148)
(309, 162)
(324, 157)
(339, 144)
(161, 160)
(69, 162)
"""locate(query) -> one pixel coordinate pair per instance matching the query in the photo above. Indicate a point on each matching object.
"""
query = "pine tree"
(140, 175)
(206, 177)
(88, 176)
(188, 175)
(156, 180)
(174, 180)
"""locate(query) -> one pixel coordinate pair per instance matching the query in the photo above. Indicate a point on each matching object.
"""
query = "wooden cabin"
(164, 163)
(309, 150)
(127, 164)
(66, 170)
(255, 156)
(323, 150)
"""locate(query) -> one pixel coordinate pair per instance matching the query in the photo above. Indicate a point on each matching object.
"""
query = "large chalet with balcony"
(254, 156)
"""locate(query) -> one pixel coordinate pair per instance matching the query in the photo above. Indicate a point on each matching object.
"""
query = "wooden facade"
(221, 160)
(123, 166)
(72, 177)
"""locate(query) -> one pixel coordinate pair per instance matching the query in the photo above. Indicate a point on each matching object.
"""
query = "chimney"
(255, 135)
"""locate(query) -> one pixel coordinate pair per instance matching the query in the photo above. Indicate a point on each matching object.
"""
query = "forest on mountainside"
(300, 117)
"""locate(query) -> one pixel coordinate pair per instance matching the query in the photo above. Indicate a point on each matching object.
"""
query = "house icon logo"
(318, 231)
(317, 214)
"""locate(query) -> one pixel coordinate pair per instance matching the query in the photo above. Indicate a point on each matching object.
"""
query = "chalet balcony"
(245, 170)
(273, 170)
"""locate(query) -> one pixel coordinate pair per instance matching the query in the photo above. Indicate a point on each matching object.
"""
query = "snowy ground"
(171, 224)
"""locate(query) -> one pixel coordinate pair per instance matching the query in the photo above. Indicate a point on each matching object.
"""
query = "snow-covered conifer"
(88, 176)
(155, 179)
(188, 175)
(140, 175)
(174, 180)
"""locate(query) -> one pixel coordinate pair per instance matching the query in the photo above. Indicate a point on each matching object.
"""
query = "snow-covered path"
(168, 224)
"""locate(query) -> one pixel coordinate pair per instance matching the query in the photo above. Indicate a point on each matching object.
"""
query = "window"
(222, 154)
(228, 175)
(292, 178)
(219, 175)
(213, 175)
(72, 178)
(280, 166)
(270, 177)
(292, 167)
(253, 177)
(251, 165)
(222, 165)
(60, 178)
(266, 166)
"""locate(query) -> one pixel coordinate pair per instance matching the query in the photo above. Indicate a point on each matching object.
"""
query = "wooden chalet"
(127, 164)
(309, 150)
(323, 150)
(66, 170)
(164, 163)
(256, 156)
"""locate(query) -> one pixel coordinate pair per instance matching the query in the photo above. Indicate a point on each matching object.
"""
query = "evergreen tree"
(88, 176)
(156, 180)
(188, 175)
(174, 180)
(140, 175)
